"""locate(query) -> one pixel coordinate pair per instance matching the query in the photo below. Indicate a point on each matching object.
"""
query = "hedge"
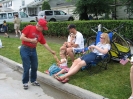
(60, 28)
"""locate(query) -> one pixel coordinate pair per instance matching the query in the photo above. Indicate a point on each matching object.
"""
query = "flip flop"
(65, 81)
(58, 78)
(130, 97)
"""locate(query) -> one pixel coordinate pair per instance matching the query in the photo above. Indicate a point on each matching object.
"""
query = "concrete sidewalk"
(11, 86)
(14, 87)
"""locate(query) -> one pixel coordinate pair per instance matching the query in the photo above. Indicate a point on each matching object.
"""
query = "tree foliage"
(129, 10)
(46, 6)
(96, 7)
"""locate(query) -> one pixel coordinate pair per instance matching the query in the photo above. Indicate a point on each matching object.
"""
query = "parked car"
(9, 17)
(55, 15)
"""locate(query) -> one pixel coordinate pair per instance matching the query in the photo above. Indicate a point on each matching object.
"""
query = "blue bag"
(53, 69)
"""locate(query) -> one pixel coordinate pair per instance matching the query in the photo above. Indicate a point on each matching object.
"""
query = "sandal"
(65, 80)
(58, 78)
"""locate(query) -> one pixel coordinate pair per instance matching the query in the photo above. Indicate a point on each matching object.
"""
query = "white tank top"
(65, 63)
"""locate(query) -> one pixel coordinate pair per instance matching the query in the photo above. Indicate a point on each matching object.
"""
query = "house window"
(10, 16)
(10, 4)
(3, 16)
(5, 4)
(23, 3)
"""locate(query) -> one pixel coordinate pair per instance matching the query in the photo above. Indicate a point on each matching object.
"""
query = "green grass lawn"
(113, 83)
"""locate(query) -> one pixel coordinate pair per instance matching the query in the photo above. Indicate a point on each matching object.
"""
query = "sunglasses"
(102, 38)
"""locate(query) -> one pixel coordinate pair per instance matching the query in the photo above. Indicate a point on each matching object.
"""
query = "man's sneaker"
(16, 36)
(35, 83)
(25, 86)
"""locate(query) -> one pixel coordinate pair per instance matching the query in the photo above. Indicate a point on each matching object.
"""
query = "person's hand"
(58, 64)
(69, 44)
(92, 46)
(34, 40)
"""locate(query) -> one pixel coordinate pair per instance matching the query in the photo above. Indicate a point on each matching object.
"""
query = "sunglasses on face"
(102, 38)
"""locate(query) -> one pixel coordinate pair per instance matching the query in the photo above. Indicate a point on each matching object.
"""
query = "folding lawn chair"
(101, 60)
(79, 52)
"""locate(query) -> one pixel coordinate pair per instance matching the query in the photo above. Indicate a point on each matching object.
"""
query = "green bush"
(60, 28)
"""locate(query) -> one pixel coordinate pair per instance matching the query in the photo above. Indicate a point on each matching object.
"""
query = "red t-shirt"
(30, 31)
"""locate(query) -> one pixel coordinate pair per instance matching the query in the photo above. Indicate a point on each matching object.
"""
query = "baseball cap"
(71, 26)
(43, 23)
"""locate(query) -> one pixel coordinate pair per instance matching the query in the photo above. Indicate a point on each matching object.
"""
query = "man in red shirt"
(31, 35)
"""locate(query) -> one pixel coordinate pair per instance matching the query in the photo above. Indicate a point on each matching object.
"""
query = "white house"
(15, 4)
(31, 7)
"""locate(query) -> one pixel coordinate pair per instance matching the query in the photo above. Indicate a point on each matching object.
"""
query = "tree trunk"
(83, 16)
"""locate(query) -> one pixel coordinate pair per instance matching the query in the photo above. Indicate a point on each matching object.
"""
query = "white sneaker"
(16, 36)
(25, 86)
(35, 83)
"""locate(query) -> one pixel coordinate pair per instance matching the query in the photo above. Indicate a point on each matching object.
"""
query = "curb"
(46, 79)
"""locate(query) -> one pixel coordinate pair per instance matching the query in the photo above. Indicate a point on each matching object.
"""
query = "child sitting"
(70, 42)
(62, 63)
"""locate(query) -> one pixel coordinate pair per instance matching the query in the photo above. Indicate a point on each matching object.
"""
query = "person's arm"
(24, 38)
(48, 48)
(104, 51)
(57, 60)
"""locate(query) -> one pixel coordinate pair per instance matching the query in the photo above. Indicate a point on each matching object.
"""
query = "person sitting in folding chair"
(100, 48)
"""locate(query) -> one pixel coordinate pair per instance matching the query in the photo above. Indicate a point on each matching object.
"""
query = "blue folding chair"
(79, 52)
(100, 60)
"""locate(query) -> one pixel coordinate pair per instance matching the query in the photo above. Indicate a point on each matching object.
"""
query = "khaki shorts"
(16, 26)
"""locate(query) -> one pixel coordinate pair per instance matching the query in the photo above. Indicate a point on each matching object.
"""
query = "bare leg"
(70, 53)
(6, 35)
(60, 72)
(16, 31)
(76, 61)
(131, 79)
(19, 32)
(74, 69)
